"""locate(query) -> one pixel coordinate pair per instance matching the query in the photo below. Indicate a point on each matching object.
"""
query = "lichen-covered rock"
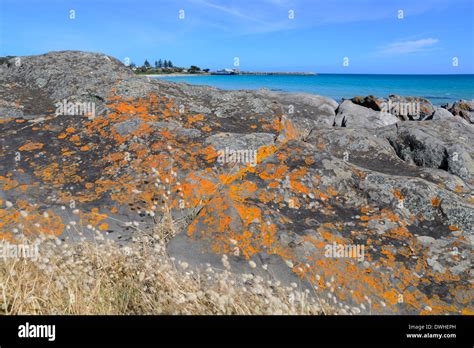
(369, 101)
(300, 202)
(373, 214)
(408, 108)
(464, 109)
(37, 83)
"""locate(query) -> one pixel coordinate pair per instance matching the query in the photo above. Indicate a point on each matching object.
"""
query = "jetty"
(278, 73)
(238, 72)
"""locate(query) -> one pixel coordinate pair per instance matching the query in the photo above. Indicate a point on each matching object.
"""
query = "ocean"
(439, 89)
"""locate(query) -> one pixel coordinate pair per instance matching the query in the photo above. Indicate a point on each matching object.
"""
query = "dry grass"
(101, 277)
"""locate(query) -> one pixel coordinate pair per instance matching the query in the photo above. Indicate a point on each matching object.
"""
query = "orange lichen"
(7, 184)
(398, 195)
(435, 202)
(30, 146)
(103, 226)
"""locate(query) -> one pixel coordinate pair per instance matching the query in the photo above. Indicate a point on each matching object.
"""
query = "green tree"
(165, 64)
(146, 64)
(170, 64)
(194, 69)
(160, 63)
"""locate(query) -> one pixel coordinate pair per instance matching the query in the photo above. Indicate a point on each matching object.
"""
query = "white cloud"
(229, 10)
(281, 3)
(411, 46)
(242, 23)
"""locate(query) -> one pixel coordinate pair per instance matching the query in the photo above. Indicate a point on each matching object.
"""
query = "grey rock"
(370, 101)
(441, 114)
(351, 115)
(464, 109)
(431, 144)
(130, 126)
(268, 266)
(235, 141)
(408, 108)
(127, 127)
(304, 111)
(38, 82)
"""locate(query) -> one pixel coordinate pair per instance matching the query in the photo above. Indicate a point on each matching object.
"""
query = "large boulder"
(464, 109)
(408, 108)
(405, 108)
(443, 144)
(441, 114)
(302, 112)
(37, 83)
(371, 102)
(351, 115)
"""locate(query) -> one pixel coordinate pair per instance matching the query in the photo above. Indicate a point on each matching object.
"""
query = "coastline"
(244, 73)
(172, 75)
(440, 90)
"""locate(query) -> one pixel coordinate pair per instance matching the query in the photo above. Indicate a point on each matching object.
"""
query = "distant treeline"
(165, 67)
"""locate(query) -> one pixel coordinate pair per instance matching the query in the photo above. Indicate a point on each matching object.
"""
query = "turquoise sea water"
(439, 89)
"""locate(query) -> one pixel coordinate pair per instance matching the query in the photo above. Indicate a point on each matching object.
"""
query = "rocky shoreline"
(88, 146)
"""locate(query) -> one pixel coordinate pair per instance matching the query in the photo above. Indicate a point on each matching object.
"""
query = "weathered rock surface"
(444, 144)
(397, 196)
(405, 108)
(351, 115)
(441, 114)
(36, 83)
(413, 108)
(464, 109)
(370, 101)
(237, 141)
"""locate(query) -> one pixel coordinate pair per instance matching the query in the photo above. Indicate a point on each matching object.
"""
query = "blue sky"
(258, 32)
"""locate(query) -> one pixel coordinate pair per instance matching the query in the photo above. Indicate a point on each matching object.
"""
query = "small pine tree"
(170, 64)
(165, 63)
(160, 63)
(146, 64)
